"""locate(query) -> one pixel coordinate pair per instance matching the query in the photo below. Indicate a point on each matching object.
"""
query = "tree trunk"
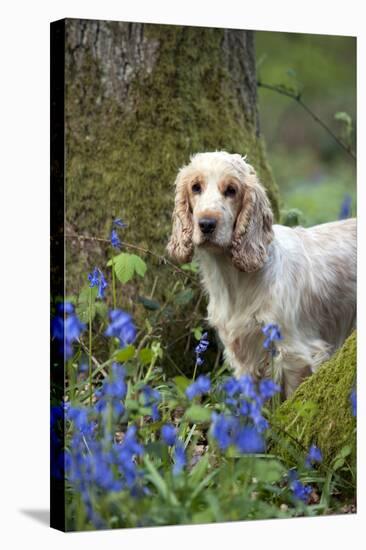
(140, 99)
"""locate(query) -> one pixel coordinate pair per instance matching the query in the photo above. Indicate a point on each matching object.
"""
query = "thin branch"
(161, 258)
(297, 97)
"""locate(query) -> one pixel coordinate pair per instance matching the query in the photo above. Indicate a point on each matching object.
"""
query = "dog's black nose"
(207, 225)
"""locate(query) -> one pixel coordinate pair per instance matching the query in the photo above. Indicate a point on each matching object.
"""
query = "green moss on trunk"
(320, 412)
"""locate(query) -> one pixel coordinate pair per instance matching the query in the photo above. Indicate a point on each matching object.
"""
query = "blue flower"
(96, 278)
(93, 277)
(201, 386)
(151, 399)
(201, 348)
(268, 388)
(272, 333)
(112, 392)
(203, 344)
(102, 285)
(180, 459)
(249, 440)
(119, 223)
(255, 413)
(169, 434)
(66, 331)
(353, 398)
(65, 307)
(121, 327)
(231, 386)
(300, 491)
(73, 328)
(115, 240)
(247, 386)
(314, 455)
(222, 429)
(346, 207)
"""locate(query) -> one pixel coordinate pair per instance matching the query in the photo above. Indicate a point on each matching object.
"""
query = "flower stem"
(194, 372)
(90, 350)
(113, 282)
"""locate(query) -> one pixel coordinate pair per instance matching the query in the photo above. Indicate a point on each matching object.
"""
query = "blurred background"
(314, 174)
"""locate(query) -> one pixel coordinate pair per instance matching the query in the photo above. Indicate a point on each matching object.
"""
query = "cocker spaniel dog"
(256, 273)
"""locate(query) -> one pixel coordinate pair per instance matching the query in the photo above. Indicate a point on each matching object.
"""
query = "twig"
(161, 258)
(297, 97)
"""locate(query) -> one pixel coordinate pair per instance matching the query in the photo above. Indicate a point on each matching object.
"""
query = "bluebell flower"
(249, 440)
(247, 386)
(112, 392)
(65, 307)
(300, 491)
(80, 417)
(73, 328)
(121, 327)
(255, 413)
(201, 348)
(115, 240)
(201, 386)
(346, 207)
(231, 386)
(222, 429)
(268, 388)
(353, 398)
(244, 408)
(272, 333)
(93, 277)
(102, 285)
(180, 459)
(203, 344)
(314, 455)
(169, 434)
(58, 328)
(96, 278)
(66, 332)
(119, 223)
(152, 398)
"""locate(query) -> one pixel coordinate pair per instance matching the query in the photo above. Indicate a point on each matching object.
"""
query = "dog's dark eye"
(196, 188)
(230, 191)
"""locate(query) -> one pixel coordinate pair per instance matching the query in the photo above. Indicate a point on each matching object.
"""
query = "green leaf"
(182, 382)
(199, 470)
(125, 265)
(184, 297)
(132, 405)
(139, 265)
(192, 266)
(149, 304)
(196, 414)
(145, 356)
(125, 354)
(86, 300)
(159, 482)
(101, 309)
(268, 471)
(197, 332)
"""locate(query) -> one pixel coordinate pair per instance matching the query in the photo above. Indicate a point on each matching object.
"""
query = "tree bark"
(140, 99)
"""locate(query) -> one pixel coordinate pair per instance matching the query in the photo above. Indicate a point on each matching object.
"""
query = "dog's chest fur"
(238, 318)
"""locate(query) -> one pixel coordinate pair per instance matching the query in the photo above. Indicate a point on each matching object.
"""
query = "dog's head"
(220, 205)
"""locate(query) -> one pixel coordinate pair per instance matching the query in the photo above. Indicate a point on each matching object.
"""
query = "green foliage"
(215, 485)
(126, 265)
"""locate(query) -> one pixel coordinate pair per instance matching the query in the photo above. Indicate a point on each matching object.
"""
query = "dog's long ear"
(180, 246)
(253, 229)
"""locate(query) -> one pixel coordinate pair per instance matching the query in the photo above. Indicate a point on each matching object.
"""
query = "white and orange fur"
(256, 273)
